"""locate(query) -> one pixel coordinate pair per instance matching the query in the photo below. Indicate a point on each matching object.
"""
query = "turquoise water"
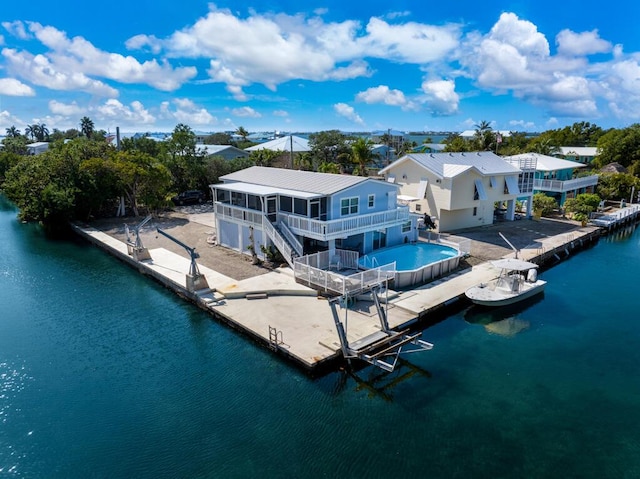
(105, 374)
(409, 256)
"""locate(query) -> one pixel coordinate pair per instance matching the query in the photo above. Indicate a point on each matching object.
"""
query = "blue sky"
(309, 66)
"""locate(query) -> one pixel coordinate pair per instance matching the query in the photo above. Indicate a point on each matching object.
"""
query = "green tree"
(218, 139)
(456, 143)
(582, 205)
(361, 155)
(86, 126)
(329, 147)
(265, 157)
(616, 186)
(12, 132)
(185, 162)
(241, 132)
(621, 146)
(545, 204)
(30, 131)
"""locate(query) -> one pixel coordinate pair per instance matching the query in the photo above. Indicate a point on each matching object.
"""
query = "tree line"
(83, 175)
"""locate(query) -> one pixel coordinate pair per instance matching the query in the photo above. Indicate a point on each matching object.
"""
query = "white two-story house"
(303, 212)
(460, 190)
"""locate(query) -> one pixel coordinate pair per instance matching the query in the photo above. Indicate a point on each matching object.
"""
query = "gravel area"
(194, 226)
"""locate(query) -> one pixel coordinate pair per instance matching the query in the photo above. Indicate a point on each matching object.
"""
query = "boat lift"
(195, 279)
(382, 348)
(135, 248)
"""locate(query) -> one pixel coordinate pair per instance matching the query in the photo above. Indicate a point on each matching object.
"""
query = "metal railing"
(463, 245)
(238, 213)
(565, 185)
(290, 237)
(332, 229)
(341, 284)
(279, 241)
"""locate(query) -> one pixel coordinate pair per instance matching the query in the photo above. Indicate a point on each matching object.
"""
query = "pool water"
(408, 257)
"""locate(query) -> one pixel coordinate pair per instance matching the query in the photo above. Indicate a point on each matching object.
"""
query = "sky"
(291, 66)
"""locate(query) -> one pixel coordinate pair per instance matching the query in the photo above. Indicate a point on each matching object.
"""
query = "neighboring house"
(429, 148)
(37, 147)
(460, 190)
(303, 212)
(556, 177)
(227, 152)
(580, 154)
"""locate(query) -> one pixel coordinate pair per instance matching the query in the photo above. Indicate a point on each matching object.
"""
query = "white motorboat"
(518, 280)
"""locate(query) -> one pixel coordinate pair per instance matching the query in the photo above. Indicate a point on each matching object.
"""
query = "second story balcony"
(318, 229)
(559, 186)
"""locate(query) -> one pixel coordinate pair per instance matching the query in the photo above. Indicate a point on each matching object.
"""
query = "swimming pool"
(415, 263)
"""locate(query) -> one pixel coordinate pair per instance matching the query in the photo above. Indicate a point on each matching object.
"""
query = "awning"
(482, 195)
(422, 188)
(407, 198)
(512, 185)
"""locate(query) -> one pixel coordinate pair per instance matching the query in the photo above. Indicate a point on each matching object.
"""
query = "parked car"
(190, 197)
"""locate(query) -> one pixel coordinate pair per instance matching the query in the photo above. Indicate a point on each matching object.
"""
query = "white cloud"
(13, 87)
(581, 44)
(382, 94)
(71, 109)
(133, 114)
(271, 49)
(79, 55)
(245, 112)
(17, 29)
(281, 113)
(515, 57)
(410, 42)
(522, 125)
(348, 112)
(441, 96)
(39, 70)
(7, 120)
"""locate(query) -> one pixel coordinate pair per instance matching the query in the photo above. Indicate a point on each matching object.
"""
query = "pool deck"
(302, 321)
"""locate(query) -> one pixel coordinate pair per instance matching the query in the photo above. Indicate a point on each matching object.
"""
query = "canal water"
(105, 374)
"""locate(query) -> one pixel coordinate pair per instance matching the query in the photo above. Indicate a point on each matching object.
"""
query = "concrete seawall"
(297, 324)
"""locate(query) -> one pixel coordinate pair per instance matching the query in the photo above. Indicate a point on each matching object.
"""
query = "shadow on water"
(376, 382)
(504, 320)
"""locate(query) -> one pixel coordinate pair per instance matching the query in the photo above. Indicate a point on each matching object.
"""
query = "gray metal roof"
(307, 181)
(486, 162)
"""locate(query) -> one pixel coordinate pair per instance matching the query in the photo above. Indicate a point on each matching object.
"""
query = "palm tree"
(361, 154)
(31, 130)
(484, 135)
(242, 133)
(86, 126)
(42, 132)
(13, 132)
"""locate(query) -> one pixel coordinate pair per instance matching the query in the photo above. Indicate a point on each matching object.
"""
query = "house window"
(478, 192)
(475, 211)
(372, 201)
(418, 207)
(406, 227)
(349, 206)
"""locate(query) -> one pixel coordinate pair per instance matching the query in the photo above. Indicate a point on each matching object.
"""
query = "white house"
(460, 190)
(580, 154)
(37, 147)
(303, 212)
